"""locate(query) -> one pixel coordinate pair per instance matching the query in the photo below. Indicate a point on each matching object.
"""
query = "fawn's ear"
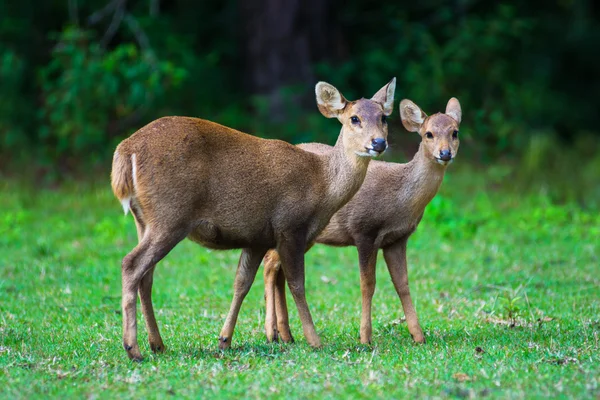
(412, 116)
(385, 96)
(329, 100)
(453, 109)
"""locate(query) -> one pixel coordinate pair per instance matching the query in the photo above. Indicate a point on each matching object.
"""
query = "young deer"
(380, 219)
(186, 177)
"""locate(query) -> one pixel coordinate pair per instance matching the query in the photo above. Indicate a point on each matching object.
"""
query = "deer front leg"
(367, 258)
(395, 258)
(282, 318)
(244, 277)
(291, 253)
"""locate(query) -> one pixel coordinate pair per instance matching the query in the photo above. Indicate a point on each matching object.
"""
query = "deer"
(379, 218)
(185, 177)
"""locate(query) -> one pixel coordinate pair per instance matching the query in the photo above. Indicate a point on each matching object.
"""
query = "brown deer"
(382, 215)
(224, 189)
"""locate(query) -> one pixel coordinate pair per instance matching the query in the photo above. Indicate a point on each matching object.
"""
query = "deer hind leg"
(283, 321)
(140, 224)
(367, 258)
(277, 324)
(136, 265)
(395, 258)
(244, 277)
(270, 274)
(145, 293)
(145, 289)
(291, 253)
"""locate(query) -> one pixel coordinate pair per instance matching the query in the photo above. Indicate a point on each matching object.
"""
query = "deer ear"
(453, 109)
(412, 116)
(385, 96)
(329, 100)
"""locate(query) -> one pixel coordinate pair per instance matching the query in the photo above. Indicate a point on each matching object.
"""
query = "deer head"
(363, 121)
(439, 132)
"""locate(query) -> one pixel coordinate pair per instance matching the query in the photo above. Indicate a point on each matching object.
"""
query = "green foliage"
(533, 264)
(523, 71)
(510, 307)
(477, 58)
(85, 88)
(13, 109)
(567, 173)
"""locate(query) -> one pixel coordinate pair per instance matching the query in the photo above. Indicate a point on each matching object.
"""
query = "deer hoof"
(224, 343)
(419, 339)
(133, 353)
(274, 337)
(157, 348)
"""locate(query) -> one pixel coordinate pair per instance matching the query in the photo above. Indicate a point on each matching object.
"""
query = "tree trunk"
(282, 38)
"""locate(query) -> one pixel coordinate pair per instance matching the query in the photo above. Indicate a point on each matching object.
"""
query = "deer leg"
(135, 266)
(291, 253)
(283, 321)
(395, 258)
(140, 225)
(244, 277)
(145, 291)
(276, 319)
(270, 275)
(367, 259)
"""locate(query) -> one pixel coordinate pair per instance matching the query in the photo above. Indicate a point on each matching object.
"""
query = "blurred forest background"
(76, 77)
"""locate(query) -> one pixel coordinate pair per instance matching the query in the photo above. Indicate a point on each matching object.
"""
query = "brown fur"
(120, 177)
(225, 189)
(382, 215)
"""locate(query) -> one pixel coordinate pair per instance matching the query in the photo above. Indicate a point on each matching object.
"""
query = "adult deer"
(186, 177)
(379, 218)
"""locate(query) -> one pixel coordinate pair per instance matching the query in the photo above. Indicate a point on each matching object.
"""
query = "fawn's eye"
(429, 135)
(354, 119)
(455, 135)
(384, 119)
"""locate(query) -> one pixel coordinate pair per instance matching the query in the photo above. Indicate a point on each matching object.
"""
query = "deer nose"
(379, 144)
(445, 155)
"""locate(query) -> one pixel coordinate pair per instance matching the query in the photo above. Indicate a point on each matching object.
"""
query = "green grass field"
(506, 285)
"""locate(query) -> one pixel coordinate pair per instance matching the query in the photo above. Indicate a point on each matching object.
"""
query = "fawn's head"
(439, 132)
(364, 121)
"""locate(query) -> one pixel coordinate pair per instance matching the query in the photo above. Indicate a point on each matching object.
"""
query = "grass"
(506, 286)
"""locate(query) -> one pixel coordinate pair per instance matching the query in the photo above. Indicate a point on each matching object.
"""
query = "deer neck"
(345, 171)
(422, 181)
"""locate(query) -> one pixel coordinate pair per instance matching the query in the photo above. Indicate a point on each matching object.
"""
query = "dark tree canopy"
(77, 76)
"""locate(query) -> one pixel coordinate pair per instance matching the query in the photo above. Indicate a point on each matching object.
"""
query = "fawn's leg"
(283, 320)
(270, 275)
(395, 258)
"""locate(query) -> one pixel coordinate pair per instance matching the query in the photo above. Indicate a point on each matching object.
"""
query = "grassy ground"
(506, 286)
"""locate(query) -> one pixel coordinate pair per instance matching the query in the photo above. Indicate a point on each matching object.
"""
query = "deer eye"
(455, 135)
(429, 135)
(384, 119)
(354, 119)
